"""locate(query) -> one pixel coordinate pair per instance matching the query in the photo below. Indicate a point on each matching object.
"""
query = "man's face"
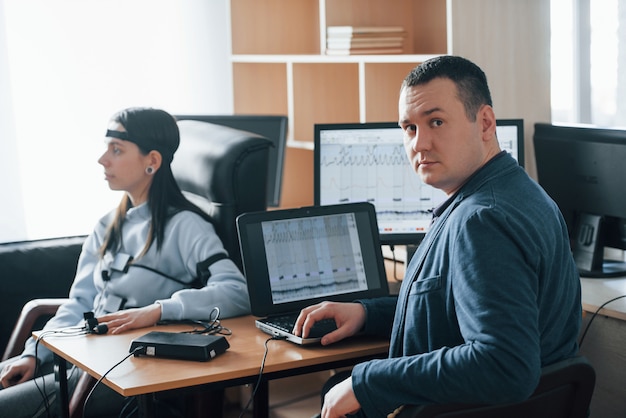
(444, 147)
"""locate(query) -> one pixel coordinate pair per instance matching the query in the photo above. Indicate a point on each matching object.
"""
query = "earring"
(149, 170)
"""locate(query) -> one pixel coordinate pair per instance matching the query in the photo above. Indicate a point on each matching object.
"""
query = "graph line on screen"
(313, 257)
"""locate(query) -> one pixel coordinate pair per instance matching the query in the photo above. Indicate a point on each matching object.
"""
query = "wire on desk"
(211, 326)
(258, 382)
(580, 343)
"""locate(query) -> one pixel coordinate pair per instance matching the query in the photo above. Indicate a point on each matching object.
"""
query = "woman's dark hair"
(151, 129)
(470, 80)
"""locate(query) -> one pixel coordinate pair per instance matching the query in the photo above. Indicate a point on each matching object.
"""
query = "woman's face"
(125, 167)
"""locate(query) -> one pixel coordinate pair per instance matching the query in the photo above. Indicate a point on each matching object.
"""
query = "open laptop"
(293, 258)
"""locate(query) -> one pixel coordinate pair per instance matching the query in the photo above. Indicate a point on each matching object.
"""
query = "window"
(588, 51)
(65, 67)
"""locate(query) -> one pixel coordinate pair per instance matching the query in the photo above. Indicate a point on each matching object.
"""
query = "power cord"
(211, 326)
(258, 382)
(395, 262)
(70, 332)
(580, 343)
(138, 348)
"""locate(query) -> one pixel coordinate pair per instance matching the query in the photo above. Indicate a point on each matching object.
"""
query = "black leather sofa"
(34, 269)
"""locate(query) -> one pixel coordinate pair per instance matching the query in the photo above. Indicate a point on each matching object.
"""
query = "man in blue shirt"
(492, 294)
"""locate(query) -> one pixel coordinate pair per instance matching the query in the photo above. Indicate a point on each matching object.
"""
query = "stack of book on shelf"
(359, 40)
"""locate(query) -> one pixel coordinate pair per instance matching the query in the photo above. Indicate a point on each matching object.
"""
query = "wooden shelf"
(280, 67)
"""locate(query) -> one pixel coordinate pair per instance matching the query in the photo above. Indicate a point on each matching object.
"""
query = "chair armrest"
(23, 329)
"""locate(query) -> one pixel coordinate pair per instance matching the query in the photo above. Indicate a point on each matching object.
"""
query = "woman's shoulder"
(105, 220)
(189, 218)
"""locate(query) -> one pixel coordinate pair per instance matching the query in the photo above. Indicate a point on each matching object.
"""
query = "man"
(492, 294)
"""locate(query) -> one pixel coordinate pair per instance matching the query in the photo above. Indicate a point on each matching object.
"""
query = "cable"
(580, 343)
(167, 276)
(138, 348)
(211, 326)
(70, 332)
(258, 382)
(130, 402)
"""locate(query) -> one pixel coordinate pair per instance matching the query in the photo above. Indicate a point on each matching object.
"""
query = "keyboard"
(286, 323)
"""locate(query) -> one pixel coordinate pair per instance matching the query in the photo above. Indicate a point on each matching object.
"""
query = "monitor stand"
(588, 249)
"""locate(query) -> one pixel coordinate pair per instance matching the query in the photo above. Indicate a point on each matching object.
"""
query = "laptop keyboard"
(321, 328)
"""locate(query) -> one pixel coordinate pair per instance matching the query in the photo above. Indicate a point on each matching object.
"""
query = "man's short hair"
(470, 80)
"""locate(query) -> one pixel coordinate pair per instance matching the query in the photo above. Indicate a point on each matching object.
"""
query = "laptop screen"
(313, 257)
(296, 257)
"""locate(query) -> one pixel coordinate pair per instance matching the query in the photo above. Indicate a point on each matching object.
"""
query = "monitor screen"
(367, 162)
(273, 128)
(583, 169)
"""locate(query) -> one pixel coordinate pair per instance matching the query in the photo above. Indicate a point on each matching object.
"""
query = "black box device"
(180, 346)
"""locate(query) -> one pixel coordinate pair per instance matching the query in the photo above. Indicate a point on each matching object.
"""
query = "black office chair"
(222, 170)
(564, 391)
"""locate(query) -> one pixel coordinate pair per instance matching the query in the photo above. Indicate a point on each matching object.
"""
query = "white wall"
(510, 41)
(11, 209)
(66, 66)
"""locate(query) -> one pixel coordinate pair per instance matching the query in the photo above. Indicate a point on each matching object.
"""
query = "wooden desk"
(595, 292)
(241, 363)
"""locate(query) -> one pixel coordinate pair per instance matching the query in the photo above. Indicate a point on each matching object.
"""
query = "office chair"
(564, 391)
(220, 169)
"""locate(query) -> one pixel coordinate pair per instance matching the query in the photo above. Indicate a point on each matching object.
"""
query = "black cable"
(211, 326)
(258, 382)
(42, 390)
(395, 262)
(138, 348)
(69, 331)
(130, 402)
(580, 343)
(167, 276)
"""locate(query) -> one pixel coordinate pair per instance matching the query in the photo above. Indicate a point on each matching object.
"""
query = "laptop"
(293, 258)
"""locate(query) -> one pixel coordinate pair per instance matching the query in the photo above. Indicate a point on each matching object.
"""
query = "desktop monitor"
(356, 162)
(273, 128)
(583, 169)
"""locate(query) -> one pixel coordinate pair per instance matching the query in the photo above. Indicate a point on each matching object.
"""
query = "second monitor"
(355, 162)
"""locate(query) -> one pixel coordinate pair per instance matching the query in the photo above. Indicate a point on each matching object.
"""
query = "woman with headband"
(146, 261)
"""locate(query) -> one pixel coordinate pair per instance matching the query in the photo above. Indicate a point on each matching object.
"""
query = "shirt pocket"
(426, 285)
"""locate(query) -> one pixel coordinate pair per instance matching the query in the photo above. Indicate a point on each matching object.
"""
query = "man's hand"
(18, 372)
(340, 400)
(128, 319)
(349, 318)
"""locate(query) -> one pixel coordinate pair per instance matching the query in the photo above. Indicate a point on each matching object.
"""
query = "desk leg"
(261, 403)
(60, 379)
(145, 406)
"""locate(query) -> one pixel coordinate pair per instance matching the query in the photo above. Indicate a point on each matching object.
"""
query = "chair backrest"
(564, 391)
(224, 171)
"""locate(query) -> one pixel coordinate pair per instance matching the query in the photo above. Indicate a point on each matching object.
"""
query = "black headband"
(166, 154)
(118, 134)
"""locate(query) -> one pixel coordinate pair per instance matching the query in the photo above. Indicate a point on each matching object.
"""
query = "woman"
(146, 261)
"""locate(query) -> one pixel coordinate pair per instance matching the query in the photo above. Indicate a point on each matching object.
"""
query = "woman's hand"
(349, 318)
(128, 319)
(18, 371)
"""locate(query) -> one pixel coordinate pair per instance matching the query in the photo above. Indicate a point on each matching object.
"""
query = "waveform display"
(378, 173)
(313, 257)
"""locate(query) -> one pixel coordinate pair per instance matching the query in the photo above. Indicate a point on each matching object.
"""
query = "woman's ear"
(155, 159)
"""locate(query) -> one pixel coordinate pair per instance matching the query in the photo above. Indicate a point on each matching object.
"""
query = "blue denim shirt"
(491, 296)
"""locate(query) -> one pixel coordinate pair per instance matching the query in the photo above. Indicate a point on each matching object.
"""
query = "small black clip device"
(92, 326)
